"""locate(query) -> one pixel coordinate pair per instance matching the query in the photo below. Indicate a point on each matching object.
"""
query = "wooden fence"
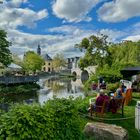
(6, 80)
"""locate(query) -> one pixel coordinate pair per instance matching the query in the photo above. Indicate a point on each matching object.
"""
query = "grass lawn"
(127, 122)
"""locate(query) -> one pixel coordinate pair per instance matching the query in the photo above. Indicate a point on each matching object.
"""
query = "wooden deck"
(7, 80)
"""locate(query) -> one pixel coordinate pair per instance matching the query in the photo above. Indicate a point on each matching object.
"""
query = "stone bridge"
(75, 70)
(85, 74)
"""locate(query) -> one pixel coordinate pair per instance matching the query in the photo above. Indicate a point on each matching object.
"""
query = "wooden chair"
(118, 105)
(98, 110)
(101, 110)
(127, 96)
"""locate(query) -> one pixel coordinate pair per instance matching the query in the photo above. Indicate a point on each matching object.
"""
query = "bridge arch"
(74, 73)
(84, 75)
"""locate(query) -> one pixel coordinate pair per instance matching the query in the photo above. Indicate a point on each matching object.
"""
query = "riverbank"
(19, 88)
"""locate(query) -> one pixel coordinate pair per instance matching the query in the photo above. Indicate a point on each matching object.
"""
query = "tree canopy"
(59, 61)
(125, 53)
(96, 51)
(5, 54)
(32, 62)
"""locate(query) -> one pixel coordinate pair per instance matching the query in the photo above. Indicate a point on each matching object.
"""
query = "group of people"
(109, 99)
(101, 84)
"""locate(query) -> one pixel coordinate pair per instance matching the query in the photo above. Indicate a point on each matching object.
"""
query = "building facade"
(48, 61)
(48, 64)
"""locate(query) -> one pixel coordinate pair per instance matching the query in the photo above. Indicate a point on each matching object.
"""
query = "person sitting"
(103, 85)
(100, 100)
(112, 104)
(119, 92)
(94, 85)
(123, 88)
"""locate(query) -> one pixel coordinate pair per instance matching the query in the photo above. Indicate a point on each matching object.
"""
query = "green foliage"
(125, 54)
(96, 51)
(110, 58)
(122, 55)
(56, 120)
(5, 54)
(112, 86)
(18, 89)
(110, 74)
(32, 62)
(59, 62)
(84, 62)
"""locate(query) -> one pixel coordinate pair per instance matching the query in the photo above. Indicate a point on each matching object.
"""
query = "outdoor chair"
(98, 110)
(127, 96)
(117, 104)
(120, 105)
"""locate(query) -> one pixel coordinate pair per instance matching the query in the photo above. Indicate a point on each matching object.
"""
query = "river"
(59, 88)
(50, 87)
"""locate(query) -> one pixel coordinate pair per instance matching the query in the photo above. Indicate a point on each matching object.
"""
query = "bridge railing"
(18, 79)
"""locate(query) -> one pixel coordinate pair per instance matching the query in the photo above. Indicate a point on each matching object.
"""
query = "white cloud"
(51, 44)
(133, 38)
(62, 38)
(14, 16)
(70, 30)
(14, 3)
(133, 32)
(76, 32)
(113, 35)
(63, 41)
(74, 10)
(119, 10)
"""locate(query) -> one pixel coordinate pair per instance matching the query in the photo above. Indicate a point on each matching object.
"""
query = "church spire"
(38, 50)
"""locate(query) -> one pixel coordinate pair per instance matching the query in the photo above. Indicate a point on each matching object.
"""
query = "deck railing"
(18, 79)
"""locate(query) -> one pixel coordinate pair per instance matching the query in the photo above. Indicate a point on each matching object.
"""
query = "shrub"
(112, 87)
(56, 120)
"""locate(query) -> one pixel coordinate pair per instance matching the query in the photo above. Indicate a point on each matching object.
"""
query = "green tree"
(125, 54)
(96, 51)
(32, 62)
(59, 62)
(17, 60)
(5, 54)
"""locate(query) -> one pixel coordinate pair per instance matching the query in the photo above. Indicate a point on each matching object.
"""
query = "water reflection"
(50, 87)
(60, 88)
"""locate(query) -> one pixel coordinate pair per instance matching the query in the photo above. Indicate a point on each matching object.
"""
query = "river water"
(59, 88)
(50, 87)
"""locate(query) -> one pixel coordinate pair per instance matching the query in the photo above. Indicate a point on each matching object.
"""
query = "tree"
(59, 62)
(32, 62)
(125, 54)
(96, 51)
(17, 60)
(5, 54)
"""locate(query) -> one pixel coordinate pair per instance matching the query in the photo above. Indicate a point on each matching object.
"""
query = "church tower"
(39, 50)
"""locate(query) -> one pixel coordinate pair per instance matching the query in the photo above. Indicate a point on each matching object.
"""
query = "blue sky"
(57, 25)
